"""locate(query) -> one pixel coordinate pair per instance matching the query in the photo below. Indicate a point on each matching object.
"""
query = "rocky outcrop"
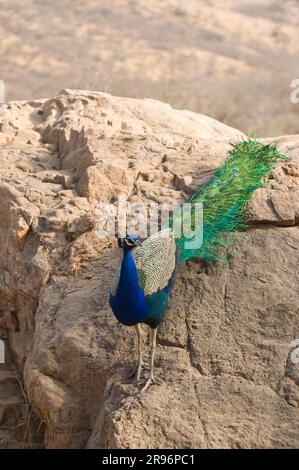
(224, 350)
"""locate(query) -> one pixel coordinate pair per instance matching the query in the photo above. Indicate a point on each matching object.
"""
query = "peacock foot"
(150, 381)
(136, 371)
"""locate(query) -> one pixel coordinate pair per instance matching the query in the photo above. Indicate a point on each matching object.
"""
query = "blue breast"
(129, 304)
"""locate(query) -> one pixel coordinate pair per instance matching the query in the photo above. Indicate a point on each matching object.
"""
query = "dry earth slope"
(232, 60)
(224, 349)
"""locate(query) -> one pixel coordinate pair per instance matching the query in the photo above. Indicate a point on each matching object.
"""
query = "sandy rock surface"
(224, 350)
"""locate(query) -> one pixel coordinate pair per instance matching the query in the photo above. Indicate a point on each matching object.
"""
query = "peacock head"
(128, 242)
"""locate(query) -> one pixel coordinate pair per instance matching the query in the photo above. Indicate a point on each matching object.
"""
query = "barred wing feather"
(155, 260)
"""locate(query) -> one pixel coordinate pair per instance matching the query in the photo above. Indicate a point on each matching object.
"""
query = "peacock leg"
(140, 363)
(151, 379)
(137, 370)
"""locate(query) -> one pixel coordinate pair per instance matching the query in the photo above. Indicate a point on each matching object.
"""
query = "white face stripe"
(131, 242)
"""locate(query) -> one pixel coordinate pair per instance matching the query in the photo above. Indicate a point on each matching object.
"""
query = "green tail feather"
(226, 195)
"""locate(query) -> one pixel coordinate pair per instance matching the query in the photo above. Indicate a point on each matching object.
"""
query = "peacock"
(148, 269)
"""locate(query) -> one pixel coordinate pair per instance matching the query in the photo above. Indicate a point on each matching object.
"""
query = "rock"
(224, 350)
(9, 321)
(278, 203)
(19, 427)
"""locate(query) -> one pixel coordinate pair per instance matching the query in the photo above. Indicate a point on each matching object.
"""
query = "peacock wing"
(155, 260)
(115, 282)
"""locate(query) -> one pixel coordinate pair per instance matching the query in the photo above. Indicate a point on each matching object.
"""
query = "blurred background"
(233, 60)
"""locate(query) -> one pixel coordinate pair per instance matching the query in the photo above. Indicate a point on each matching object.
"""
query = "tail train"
(225, 196)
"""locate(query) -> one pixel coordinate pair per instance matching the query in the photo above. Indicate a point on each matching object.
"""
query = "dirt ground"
(232, 60)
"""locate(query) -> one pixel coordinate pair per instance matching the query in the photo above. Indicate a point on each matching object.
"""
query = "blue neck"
(128, 272)
(129, 304)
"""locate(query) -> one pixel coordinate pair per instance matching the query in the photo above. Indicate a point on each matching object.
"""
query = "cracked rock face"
(224, 349)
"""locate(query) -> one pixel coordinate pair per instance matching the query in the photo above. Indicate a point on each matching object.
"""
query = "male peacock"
(148, 269)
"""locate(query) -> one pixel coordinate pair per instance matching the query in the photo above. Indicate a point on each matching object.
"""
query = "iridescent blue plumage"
(128, 303)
